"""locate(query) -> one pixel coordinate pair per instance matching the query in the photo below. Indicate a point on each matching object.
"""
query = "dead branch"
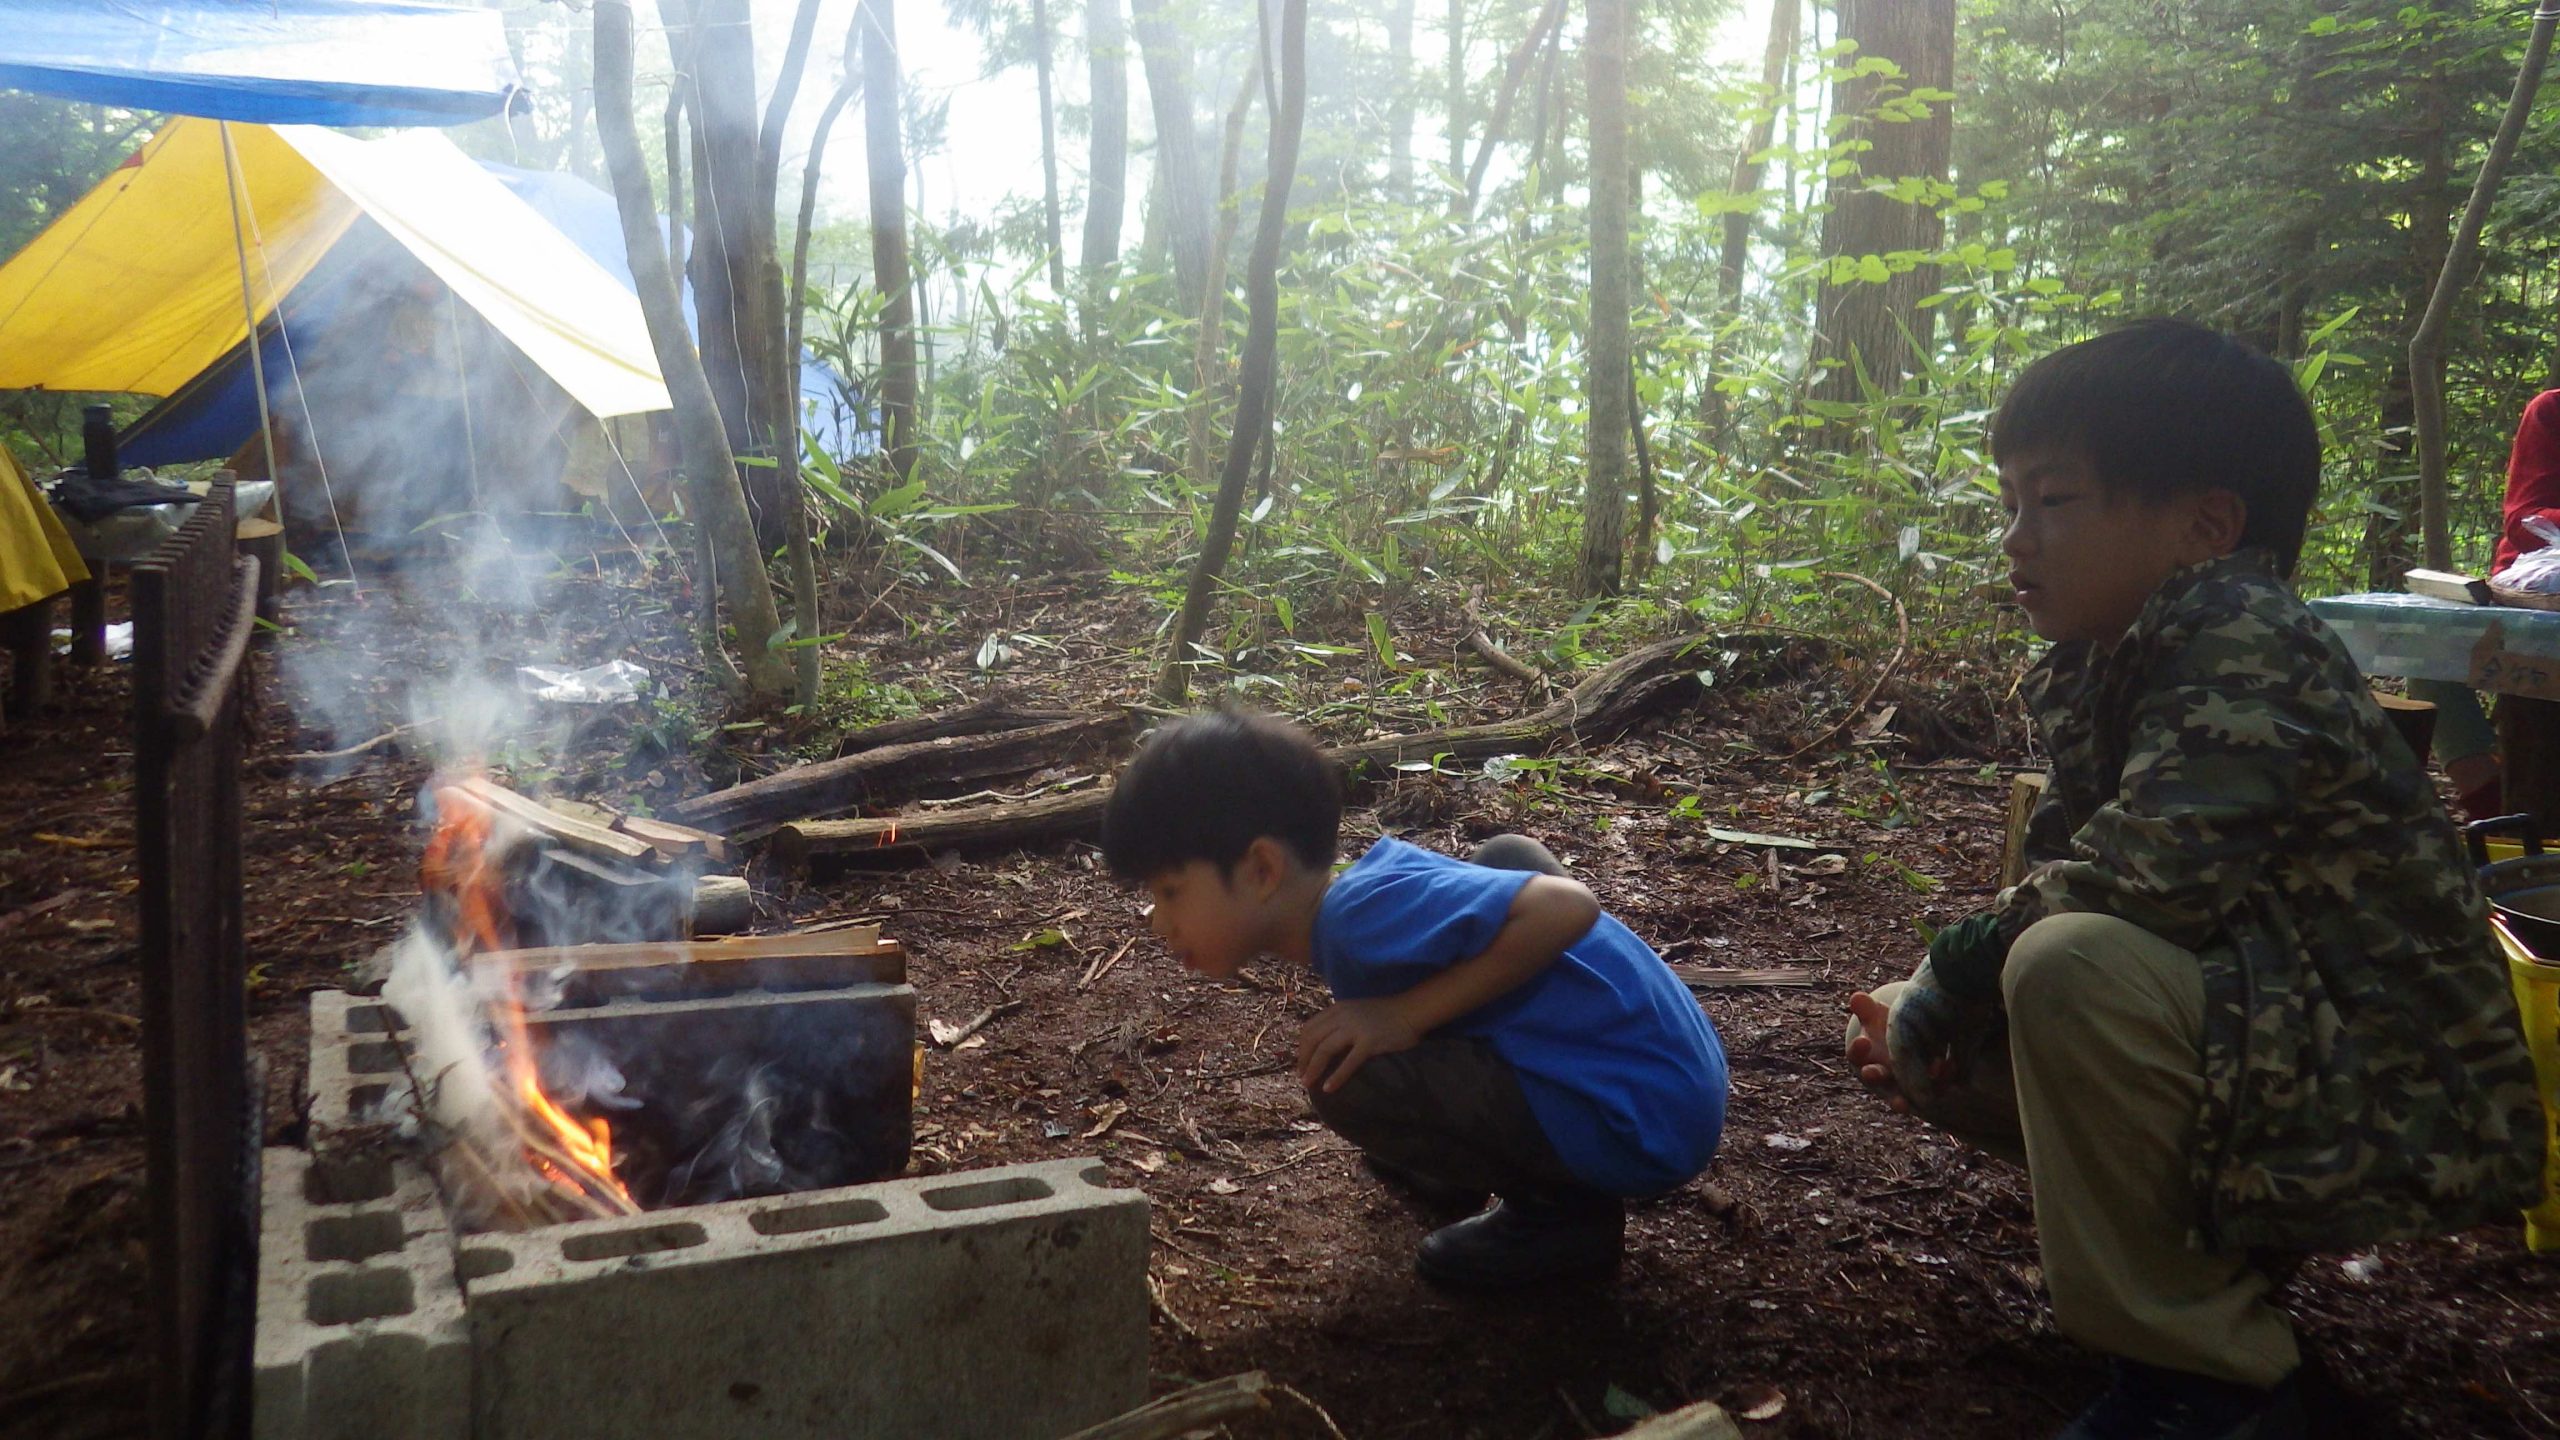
(1101, 968)
(1608, 702)
(892, 773)
(1480, 640)
(951, 1040)
(1185, 1410)
(385, 738)
(1901, 645)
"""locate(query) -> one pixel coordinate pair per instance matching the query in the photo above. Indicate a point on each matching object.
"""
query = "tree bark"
(883, 93)
(718, 54)
(1748, 168)
(1455, 80)
(711, 474)
(1862, 324)
(1166, 53)
(1049, 150)
(1608, 362)
(1258, 379)
(777, 343)
(1106, 46)
(1606, 704)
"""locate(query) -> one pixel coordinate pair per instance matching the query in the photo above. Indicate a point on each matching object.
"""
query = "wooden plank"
(674, 842)
(592, 974)
(2026, 791)
(1711, 977)
(576, 834)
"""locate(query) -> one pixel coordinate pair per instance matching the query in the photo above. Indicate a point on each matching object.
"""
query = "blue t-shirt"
(1621, 1066)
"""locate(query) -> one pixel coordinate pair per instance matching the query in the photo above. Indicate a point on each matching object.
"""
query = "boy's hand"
(1333, 1046)
(1871, 1051)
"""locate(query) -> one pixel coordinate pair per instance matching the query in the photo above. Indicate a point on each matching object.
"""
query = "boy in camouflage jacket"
(2246, 1000)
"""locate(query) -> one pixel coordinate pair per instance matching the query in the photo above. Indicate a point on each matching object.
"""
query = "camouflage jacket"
(2222, 778)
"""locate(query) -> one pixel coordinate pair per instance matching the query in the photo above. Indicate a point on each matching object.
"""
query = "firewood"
(2026, 791)
(1705, 1420)
(892, 773)
(1606, 704)
(576, 834)
(588, 974)
(722, 905)
(674, 843)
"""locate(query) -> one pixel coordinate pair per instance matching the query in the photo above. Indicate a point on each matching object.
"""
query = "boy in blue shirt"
(1492, 1029)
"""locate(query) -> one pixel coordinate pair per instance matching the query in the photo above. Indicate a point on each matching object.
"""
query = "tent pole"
(248, 305)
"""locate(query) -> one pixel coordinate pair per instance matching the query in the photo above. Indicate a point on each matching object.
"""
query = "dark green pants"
(1451, 1108)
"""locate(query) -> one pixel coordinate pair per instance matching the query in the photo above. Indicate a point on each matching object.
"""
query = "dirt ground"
(1846, 1272)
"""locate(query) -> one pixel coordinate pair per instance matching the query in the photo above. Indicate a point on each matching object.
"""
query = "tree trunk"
(1748, 168)
(2392, 525)
(710, 472)
(1208, 368)
(883, 96)
(1862, 323)
(1257, 382)
(1608, 364)
(776, 341)
(1400, 102)
(1049, 151)
(2426, 347)
(1456, 81)
(1106, 46)
(1515, 69)
(1166, 53)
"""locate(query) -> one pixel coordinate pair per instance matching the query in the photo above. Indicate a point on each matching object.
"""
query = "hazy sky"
(993, 148)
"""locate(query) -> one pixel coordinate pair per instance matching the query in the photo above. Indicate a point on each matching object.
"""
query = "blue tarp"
(280, 62)
(217, 412)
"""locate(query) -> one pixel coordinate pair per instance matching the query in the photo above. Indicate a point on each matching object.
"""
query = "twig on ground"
(70, 1012)
(25, 913)
(1480, 640)
(950, 1040)
(1322, 1418)
(1164, 1307)
(1101, 968)
(1901, 645)
(385, 738)
(1309, 1153)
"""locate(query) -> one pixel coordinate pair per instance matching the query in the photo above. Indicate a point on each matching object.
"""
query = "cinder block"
(355, 1061)
(360, 1325)
(1005, 1304)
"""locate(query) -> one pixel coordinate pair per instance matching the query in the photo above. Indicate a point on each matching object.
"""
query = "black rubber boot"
(1523, 1241)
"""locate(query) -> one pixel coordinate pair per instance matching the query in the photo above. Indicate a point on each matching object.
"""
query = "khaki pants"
(2098, 1097)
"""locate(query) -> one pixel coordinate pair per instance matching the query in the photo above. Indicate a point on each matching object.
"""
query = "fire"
(888, 837)
(463, 864)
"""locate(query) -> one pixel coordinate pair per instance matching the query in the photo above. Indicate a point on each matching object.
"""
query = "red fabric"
(2533, 478)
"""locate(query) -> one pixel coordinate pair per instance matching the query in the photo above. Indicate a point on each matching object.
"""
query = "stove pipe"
(98, 438)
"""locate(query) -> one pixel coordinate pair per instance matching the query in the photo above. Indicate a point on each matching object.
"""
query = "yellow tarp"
(137, 287)
(500, 257)
(36, 558)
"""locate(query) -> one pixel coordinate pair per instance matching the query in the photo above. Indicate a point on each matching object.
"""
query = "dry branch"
(1480, 640)
(1605, 705)
(1184, 1411)
(892, 773)
(986, 717)
(1901, 647)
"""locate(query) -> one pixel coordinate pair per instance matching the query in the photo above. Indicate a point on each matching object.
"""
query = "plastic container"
(2538, 998)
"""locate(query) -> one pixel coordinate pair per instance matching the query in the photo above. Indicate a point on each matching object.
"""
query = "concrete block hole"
(347, 1182)
(617, 1244)
(987, 1193)
(354, 1237)
(344, 1299)
(373, 1057)
(825, 1215)
(369, 1019)
(479, 1262)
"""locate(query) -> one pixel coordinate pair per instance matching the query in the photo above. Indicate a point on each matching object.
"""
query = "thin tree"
(1166, 52)
(1400, 101)
(710, 471)
(882, 98)
(1872, 323)
(1750, 163)
(1515, 69)
(1207, 358)
(1608, 345)
(1042, 44)
(1106, 183)
(1258, 377)
(1454, 80)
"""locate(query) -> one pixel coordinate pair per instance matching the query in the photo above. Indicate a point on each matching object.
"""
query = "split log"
(2026, 791)
(675, 844)
(892, 773)
(592, 974)
(1184, 1411)
(1609, 702)
(1705, 1420)
(985, 717)
(578, 835)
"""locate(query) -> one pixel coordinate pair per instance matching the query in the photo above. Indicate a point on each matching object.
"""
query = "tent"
(137, 288)
(45, 564)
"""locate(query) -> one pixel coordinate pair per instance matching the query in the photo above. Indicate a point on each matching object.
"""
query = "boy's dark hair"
(2163, 408)
(1207, 786)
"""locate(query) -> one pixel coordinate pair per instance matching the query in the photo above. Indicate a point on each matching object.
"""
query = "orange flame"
(887, 838)
(462, 863)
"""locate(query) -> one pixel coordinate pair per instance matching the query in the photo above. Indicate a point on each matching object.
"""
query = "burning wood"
(562, 1080)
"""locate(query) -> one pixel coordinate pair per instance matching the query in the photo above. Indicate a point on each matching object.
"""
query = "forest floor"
(1840, 1270)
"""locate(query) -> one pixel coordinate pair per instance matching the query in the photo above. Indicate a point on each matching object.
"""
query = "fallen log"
(984, 717)
(1607, 703)
(892, 773)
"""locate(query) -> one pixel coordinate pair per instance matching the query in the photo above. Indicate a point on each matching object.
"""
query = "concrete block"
(1005, 1304)
(360, 1325)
